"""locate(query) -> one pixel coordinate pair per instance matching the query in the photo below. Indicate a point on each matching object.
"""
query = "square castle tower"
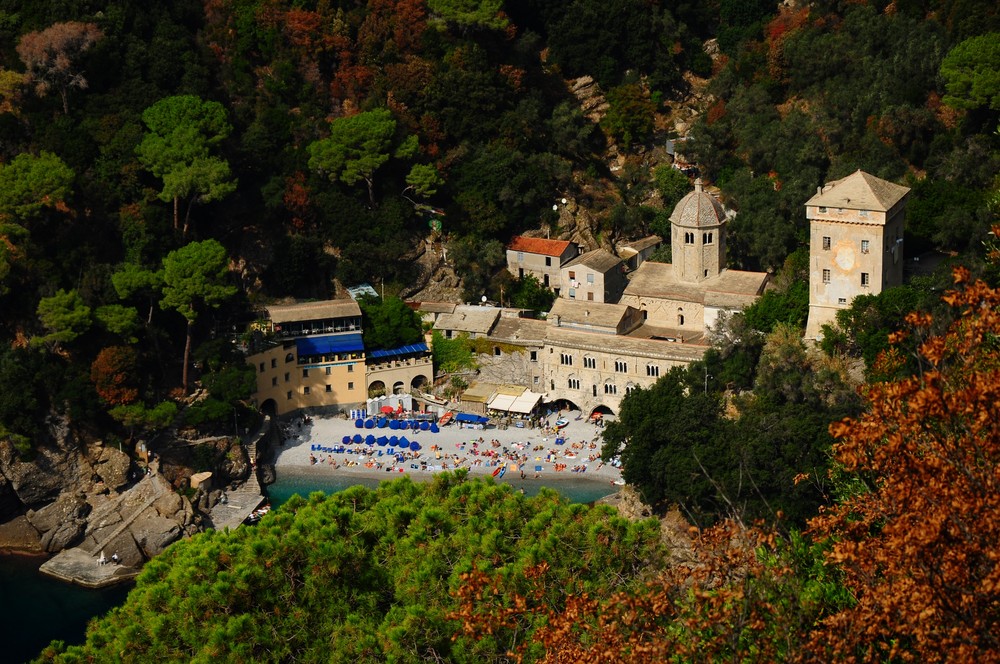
(855, 246)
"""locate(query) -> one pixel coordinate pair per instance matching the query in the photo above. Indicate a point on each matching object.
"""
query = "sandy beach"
(532, 455)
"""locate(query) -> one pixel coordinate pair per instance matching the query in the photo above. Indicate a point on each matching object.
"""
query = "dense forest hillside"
(165, 167)
(334, 143)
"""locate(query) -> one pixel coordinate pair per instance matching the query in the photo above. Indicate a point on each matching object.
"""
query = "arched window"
(680, 315)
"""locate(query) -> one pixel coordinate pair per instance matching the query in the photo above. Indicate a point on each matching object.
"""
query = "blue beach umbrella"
(346, 440)
(359, 424)
(414, 446)
(434, 427)
(403, 442)
(369, 424)
(424, 426)
(393, 424)
(382, 441)
(393, 440)
(357, 439)
(369, 439)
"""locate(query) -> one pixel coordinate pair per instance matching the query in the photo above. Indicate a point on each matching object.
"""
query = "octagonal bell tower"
(698, 236)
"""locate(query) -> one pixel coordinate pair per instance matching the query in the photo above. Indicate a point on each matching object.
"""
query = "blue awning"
(329, 345)
(469, 417)
(410, 349)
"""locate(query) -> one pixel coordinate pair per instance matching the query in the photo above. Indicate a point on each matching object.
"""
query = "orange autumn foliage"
(114, 375)
(920, 548)
(914, 550)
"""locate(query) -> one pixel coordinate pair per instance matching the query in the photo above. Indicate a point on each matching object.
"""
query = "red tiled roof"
(537, 245)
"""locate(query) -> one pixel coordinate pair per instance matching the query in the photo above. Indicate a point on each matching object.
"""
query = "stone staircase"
(157, 492)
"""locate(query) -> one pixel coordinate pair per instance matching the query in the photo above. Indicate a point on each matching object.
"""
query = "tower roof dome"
(698, 209)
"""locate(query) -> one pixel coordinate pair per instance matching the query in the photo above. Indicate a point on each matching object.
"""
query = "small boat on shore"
(503, 469)
(562, 422)
(498, 471)
(446, 418)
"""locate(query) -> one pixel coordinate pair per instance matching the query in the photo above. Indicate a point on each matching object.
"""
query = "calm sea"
(36, 609)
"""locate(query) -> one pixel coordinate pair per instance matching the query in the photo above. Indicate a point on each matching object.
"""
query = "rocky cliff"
(75, 492)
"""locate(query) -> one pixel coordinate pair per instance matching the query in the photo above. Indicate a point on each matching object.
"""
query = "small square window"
(262, 367)
(572, 293)
(350, 386)
(305, 390)
(572, 275)
(274, 363)
(841, 300)
(288, 395)
(822, 209)
(548, 261)
(288, 376)
(864, 246)
(274, 382)
(865, 279)
(328, 371)
(826, 243)
(305, 373)
(590, 278)
(826, 276)
(329, 388)
(350, 368)
(533, 355)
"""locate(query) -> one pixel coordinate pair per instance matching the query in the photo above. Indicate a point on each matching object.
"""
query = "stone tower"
(698, 238)
(855, 246)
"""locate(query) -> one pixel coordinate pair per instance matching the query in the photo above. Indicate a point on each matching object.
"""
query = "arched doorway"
(600, 415)
(397, 387)
(376, 389)
(418, 382)
(269, 407)
(562, 404)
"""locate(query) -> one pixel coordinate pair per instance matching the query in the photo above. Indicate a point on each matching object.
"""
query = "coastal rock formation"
(38, 481)
(20, 537)
(112, 468)
(61, 522)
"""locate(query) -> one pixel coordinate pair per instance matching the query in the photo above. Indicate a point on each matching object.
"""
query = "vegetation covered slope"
(367, 576)
(902, 568)
(317, 141)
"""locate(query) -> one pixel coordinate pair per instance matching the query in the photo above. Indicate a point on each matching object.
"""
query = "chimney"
(698, 184)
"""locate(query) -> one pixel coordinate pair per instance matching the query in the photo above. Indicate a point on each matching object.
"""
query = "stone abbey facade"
(590, 353)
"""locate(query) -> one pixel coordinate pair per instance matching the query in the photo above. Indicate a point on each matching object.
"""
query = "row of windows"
(706, 238)
(621, 366)
(327, 371)
(572, 295)
(314, 359)
(609, 388)
(306, 390)
(865, 244)
(865, 278)
(590, 276)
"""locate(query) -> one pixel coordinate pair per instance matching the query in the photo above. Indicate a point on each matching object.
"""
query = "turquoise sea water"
(577, 490)
(36, 609)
